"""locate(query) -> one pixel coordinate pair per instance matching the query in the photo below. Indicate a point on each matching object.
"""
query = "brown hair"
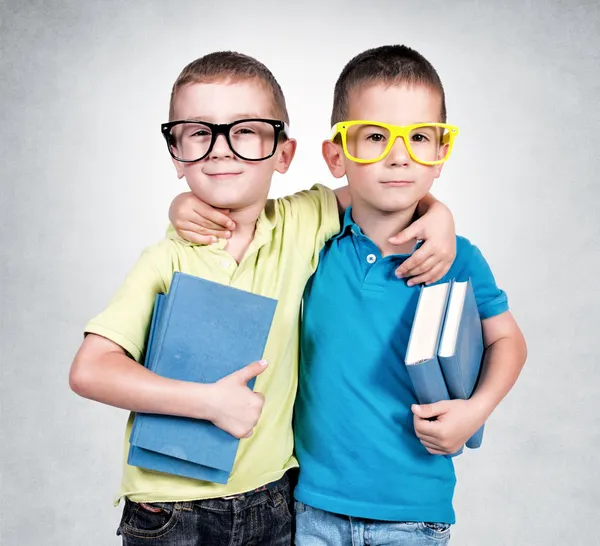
(391, 64)
(229, 65)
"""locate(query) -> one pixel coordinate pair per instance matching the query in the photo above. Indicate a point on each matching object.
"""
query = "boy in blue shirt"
(370, 470)
(366, 449)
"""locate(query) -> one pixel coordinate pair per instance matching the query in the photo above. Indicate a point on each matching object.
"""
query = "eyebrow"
(236, 117)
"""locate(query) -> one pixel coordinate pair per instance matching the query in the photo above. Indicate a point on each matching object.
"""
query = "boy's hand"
(236, 408)
(432, 261)
(456, 421)
(197, 222)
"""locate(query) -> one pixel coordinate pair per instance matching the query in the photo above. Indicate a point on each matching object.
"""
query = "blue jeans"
(259, 517)
(316, 527)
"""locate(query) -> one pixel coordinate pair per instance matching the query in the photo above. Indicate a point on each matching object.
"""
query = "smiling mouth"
(222, 175)
(398, 183)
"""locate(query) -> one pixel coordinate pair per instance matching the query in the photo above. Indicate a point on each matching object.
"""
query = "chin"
(221, 198)
(227, 202)
(393, 205)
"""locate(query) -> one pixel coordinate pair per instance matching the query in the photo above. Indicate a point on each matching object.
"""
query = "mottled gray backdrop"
(86, 183)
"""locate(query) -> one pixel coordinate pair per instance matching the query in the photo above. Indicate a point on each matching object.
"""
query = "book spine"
(428, 381)
(453, 376)
(161, 311)
(164, 323)
(156, 314)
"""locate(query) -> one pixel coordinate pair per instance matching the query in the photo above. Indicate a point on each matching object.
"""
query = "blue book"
(201, 331)
(151, 460)
(421, 359)
(461, 347)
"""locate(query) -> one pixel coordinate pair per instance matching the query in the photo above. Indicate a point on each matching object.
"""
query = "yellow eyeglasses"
(366, 141)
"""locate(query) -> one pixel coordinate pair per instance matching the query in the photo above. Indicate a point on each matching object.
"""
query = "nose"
(220, 148)
(398, 155)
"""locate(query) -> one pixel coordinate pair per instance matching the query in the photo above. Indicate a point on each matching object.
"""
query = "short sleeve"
(127, 318)
(491, 300)
(311, 218)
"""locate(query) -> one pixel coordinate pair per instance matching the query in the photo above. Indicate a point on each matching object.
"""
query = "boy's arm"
(199, 223)
(434, 258)
(103, 372)
(457, 420)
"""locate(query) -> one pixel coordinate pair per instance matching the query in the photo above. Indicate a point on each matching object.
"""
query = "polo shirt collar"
(348, 225)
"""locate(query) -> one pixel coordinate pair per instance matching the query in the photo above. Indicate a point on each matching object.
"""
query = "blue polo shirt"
(355, 439)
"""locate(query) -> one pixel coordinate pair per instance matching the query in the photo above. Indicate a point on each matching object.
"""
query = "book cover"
(461, 347)
(421, 359)
(202, 331)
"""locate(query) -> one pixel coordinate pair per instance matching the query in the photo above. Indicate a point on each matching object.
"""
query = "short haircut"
(230, 66)
(391, 64)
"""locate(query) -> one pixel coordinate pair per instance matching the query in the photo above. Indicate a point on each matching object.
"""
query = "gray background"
(86, 182)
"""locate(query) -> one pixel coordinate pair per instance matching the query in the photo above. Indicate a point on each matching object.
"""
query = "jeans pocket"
(299, 507)
(148, 520)
(281, 504)
(440, 531)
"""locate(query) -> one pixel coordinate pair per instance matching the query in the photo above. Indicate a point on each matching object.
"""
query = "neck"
(245, 219)
(379, 226)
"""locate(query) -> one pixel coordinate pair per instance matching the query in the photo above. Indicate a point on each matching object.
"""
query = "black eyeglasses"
(249, 139)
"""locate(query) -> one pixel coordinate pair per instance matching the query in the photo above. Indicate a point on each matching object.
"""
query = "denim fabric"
(255, 518)
(316, 527)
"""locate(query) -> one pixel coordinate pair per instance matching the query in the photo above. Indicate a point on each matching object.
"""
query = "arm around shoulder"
(311, 218)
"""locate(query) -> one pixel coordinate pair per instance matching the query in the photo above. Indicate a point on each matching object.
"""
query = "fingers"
(203, 223)
(428, 438)
(187, 212)
(426, 428)
(433, 448)
(429, 277)
(438, 446)
(251, 371)
(417, 259)
(202, 227)
(211, 218)
(413, 231)
(431, 436)
(417, 268)
(428, 411)
(201, 230)
(194, 237)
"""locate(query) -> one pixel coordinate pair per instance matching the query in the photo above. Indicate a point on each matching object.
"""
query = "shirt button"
(371, 258)
(224, 264)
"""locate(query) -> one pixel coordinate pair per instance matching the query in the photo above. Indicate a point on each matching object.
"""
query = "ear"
(178, 168)
(333, 156)
(441, 153)
(286, 153)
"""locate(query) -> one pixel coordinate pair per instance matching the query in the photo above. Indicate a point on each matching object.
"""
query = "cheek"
(257, 177)
(191, 170)
(363, 174)
(427, 174)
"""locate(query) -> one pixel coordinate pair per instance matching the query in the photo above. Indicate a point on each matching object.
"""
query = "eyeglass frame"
(280, 127)
(402, 131)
